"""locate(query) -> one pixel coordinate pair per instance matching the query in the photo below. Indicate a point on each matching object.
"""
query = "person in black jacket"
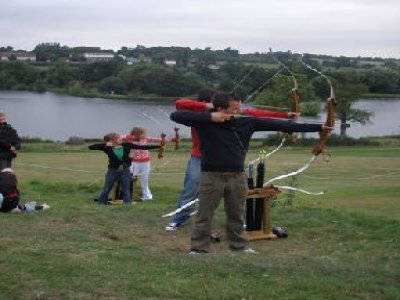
(9, 142)
(224, 141)
(118, 164)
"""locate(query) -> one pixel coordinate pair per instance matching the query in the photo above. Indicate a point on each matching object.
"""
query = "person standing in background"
(141, 159)
(9, 142)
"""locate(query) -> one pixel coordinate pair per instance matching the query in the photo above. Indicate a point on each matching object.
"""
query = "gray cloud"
(341, 27)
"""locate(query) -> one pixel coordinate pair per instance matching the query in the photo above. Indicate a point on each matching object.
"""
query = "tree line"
(256, 78)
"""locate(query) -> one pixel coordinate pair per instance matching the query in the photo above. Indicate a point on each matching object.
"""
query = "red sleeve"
(265, 113)
(127, 138)
(191, 105)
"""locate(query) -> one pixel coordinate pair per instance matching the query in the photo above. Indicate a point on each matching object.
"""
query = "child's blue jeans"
(112, 176)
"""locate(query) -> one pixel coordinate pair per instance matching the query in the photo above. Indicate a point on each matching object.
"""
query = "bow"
(319, 147)
(162, 145)
(330, 113)
(177, 138)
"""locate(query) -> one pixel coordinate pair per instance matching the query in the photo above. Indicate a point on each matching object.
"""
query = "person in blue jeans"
(193, 167)
(118, 164)
(189, 192)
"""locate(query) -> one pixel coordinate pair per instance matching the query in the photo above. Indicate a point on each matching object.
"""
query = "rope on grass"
(86, 171)
(291, 188)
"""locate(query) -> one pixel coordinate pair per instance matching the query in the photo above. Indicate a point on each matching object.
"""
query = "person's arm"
(142, 147)
(17, 142)
(100, 146)
(158, 140)
(4, 144)
(192, 105)
(265, 113)
(191, 119)
(260, 124)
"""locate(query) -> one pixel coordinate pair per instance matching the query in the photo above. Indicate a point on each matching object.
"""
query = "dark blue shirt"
(224, 145)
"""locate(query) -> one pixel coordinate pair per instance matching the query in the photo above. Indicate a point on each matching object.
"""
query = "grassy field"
(342, 245)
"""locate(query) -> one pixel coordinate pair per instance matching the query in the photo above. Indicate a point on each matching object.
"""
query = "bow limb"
(177, 138)
(319, 147)
(295, 107)
(162, 145)
(330, 117)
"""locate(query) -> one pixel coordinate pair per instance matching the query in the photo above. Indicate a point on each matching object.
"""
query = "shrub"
(75, 140)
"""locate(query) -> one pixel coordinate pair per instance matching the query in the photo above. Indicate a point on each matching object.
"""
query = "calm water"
(58, 117)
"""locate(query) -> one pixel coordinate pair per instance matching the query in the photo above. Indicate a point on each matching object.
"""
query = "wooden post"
(115, 193)
(267, 195)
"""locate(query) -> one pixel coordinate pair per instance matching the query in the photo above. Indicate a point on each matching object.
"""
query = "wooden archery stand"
(115, 192)
(268, 194)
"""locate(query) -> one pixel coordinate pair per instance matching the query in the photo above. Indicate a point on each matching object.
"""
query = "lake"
(58, 117)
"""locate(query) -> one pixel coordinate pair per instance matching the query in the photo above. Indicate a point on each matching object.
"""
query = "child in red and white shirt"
(140, 166)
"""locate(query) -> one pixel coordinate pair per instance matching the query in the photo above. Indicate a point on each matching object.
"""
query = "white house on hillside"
(98, 56)
(170, 62)
(18, 55)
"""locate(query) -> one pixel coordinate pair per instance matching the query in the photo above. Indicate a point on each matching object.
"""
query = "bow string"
(319, 147)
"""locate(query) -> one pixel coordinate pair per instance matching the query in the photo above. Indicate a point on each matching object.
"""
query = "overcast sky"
(337, 27)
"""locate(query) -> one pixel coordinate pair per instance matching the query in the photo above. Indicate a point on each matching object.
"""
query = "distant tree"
(278, 94)
(97, 71)
(229, 74)
(203, 70)
(61, 74)
(51, 52)
(342, 61)
(383, 80)
(349, 88)
(160, 80)
(156, 58)
(6, 49)
(16, 72)
(111, 85)
(182, 57)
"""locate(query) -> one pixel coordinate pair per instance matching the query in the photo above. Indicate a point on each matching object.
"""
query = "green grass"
(343, 245)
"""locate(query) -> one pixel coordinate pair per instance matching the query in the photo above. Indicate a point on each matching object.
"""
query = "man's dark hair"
(205, 95)
(221, 100)
(235, 97)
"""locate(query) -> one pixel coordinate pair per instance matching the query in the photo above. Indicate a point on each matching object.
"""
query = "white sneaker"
(171, 226)
(249, 250)
(45, 206)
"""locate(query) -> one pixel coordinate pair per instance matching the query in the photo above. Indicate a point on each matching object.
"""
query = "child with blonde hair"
(141, 159)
